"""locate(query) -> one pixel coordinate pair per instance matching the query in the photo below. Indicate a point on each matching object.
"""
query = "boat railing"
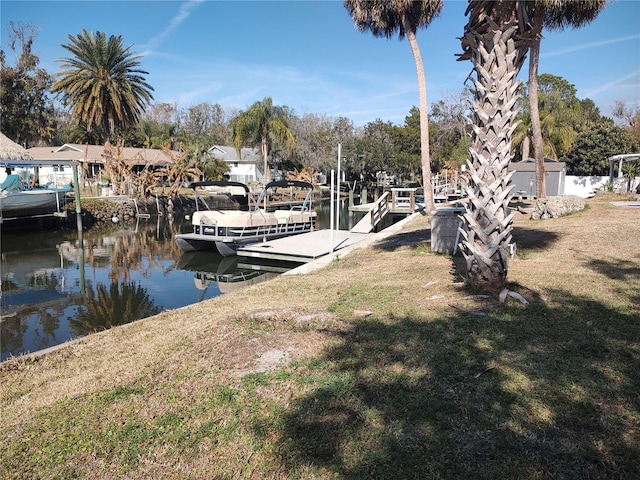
(306, 203)
(283, 227)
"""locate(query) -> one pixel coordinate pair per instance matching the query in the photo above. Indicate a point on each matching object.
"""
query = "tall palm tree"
(260, 124)
(495, 40)
(554, 15)
(383, 18)
(102, 83)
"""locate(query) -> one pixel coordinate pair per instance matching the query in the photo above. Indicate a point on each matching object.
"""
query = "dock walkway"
(302, 248)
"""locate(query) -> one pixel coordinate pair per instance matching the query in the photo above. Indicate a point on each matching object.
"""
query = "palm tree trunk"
(538, 147)
(526, 143)
(424, 117)
(497, 57)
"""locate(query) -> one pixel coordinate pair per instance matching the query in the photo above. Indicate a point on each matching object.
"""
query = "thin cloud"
(183, 13)
(610, 85)
(586, 46)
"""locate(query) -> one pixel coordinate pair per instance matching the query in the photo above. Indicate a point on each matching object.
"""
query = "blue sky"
(308, 56)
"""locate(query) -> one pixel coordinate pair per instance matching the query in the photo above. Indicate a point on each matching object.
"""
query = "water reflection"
(109, 306)
(54, 288)
(225, 273)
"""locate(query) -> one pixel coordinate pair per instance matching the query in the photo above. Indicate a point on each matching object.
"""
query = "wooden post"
(76, 191)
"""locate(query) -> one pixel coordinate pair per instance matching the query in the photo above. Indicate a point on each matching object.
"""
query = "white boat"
(256, 221)
(16, 200)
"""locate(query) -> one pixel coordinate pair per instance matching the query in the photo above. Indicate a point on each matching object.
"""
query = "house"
(54, 165)
(524, 178)
(247, 169)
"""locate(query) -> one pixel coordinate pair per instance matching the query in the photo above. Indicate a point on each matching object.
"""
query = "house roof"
(229, 154)
(73, 152)
(10, 151)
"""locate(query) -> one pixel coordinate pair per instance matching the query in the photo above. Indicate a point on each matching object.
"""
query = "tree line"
(35, 113)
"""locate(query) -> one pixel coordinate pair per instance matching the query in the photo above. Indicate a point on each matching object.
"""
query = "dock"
(303, 248)
(307, 247)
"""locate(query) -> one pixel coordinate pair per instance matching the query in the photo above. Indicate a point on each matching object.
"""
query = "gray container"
(444, 224)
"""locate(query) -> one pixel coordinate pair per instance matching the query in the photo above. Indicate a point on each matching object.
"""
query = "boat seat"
(283, 216)
(211, 217)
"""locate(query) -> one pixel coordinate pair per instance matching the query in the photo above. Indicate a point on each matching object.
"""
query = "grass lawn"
(381, 365)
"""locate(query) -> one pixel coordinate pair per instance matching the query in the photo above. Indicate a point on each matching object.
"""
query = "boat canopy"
(306, 204)
(243, 199)
(220, 183)
(288, 183)
(13, 183)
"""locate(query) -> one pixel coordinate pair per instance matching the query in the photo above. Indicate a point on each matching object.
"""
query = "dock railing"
(403, 199)
(377, 211)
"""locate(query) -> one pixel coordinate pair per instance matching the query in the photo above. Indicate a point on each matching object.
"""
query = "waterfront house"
(246, 169)
(53, 165)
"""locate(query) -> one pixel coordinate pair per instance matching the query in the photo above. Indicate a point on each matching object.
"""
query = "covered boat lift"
(13, 155)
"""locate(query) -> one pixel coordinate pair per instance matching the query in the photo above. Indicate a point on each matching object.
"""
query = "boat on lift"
(18, 200)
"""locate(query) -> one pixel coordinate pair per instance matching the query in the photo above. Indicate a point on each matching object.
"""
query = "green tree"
(262, 124)
(553, 15)
(384, 18)
(630, 171)
(102, 83)
(27, 113)
(377, 144)
(211, 168)
(449, 131)
(558, 132)
(406, 140)
(495, 40)
(593, 147)
(562, 117)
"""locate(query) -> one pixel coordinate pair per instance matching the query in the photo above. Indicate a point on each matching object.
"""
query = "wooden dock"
(302, 248)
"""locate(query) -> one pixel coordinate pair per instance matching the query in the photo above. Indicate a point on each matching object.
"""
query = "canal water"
(52, 291)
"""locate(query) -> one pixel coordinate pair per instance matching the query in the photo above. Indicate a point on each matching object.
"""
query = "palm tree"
(383, 18)
(495, 40)
(558, 134)
(555, 15)
(111, 305)
(262, 123)
(102, 83)
(629, 171)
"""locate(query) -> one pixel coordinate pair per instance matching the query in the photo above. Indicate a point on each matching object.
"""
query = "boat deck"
(302, 248)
